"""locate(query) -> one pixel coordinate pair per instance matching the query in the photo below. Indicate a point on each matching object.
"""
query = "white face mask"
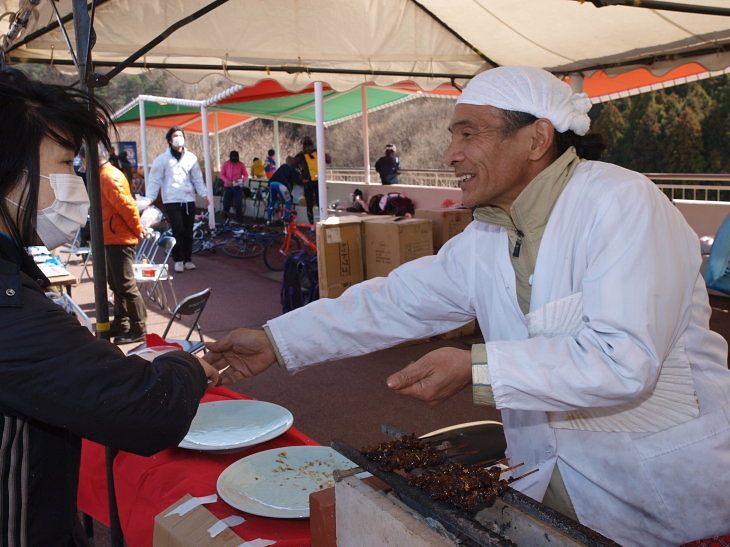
(58, 223)
(178, 142)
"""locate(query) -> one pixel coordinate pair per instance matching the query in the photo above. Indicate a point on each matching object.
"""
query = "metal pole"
(143, 133)
(206, 161)
(321, 150)
(84, 30)
(365, 133)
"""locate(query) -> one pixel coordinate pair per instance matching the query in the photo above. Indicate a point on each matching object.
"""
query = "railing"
(698, 189)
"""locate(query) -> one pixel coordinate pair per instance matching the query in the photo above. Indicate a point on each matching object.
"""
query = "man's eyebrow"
(461, 123)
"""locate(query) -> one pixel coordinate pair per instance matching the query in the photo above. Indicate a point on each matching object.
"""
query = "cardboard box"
(392, 241)
(191, 529)
(446, 223)
(339, 255)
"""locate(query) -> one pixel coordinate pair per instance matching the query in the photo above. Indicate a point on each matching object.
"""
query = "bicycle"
(206, 238)
(291, 240)
(249, 241)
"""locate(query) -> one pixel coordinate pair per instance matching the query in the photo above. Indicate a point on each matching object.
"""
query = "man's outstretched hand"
(240, 354)
(434, 377)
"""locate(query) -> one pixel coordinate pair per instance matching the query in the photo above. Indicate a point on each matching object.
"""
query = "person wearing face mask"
(177, 175)
(59, 382)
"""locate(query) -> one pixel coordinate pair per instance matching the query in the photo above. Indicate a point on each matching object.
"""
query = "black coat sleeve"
(55, 371)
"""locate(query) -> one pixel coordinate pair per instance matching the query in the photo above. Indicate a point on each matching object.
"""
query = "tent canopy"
(350, 42)
(270, 100)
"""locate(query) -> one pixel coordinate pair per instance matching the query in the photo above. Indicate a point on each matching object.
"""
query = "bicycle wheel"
(274, 256)
(198, 237)
(242, 247)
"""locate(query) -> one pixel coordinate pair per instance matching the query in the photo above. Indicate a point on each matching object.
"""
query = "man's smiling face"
(493, 168)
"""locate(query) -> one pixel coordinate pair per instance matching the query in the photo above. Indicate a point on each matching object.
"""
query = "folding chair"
(152, 276)
(192, 305)
(82, 252)
(144, 251)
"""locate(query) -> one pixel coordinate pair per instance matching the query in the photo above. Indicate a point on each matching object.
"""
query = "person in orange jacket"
(122, 231)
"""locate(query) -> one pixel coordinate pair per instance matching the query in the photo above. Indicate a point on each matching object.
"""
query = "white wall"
(705, 217)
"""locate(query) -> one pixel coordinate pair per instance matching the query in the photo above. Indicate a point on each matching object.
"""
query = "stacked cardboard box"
(339, 255)
(392, 241)
(446, 223)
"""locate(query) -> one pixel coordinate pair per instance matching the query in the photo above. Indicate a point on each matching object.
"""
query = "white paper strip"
(191, 504)
(228, 522)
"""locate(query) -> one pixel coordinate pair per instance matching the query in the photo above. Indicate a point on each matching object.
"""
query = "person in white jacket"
(177, 175)
(585, 280)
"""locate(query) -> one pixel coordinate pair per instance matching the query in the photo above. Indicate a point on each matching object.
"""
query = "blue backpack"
(300, 283)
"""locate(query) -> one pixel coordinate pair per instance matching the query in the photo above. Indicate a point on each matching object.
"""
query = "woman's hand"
(242, 353)
(210, 372)
(434, 377)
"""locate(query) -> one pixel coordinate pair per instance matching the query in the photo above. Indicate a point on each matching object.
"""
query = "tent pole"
(321, 150)
(277, 145)
(143, 137)
(217, 159)
(206, 161)
(365, 133)
(83, 27)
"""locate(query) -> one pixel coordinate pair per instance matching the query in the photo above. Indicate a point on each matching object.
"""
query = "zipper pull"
(518, 243)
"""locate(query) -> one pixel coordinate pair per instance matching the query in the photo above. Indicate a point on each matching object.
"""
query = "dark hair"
(588, 146)
(168, 135)
(233, 156)
(32, 111)
(271, 152)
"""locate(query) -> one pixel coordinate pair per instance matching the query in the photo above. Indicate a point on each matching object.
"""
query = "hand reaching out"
(434, 377)
(240, 354)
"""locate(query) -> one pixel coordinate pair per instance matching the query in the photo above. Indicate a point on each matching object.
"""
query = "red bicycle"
(296, 235)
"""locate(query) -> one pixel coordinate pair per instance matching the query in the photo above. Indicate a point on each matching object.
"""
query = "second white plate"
(277, 483)
(230, 425)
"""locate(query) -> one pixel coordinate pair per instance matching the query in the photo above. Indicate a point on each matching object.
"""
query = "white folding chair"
(153, 276)
(82, 252)
(146, 248)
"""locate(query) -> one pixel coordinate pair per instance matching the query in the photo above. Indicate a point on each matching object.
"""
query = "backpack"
(300, 283)
(394, 203)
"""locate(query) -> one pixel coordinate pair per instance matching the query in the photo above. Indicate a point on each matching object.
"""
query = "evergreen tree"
(716, 128)
(612, 125)
(645, 154)
(684, 150)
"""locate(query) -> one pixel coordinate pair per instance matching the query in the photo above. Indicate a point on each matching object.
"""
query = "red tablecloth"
(146, 486)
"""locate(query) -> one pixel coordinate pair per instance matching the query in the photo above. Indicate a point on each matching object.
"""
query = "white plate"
(277, 483)
(230, 425)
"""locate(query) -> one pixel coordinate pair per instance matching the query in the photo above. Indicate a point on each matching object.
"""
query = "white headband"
(531, 90)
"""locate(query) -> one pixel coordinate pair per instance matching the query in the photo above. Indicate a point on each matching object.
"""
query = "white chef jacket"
(616, 250)
(178, 179)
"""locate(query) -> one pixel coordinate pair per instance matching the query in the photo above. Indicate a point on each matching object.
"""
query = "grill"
(513, 519)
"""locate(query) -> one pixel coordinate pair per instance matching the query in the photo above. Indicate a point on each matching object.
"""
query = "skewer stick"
(523, 476)
(511, 468)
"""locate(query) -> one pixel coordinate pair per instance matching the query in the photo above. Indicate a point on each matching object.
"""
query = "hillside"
(417, 128)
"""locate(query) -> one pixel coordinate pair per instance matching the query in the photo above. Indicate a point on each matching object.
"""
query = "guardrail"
(670, 183)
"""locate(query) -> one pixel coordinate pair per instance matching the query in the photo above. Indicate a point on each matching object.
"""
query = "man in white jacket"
(177, 175)
(585, 281)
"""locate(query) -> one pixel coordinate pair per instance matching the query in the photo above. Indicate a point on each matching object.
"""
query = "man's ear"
(543, 138)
